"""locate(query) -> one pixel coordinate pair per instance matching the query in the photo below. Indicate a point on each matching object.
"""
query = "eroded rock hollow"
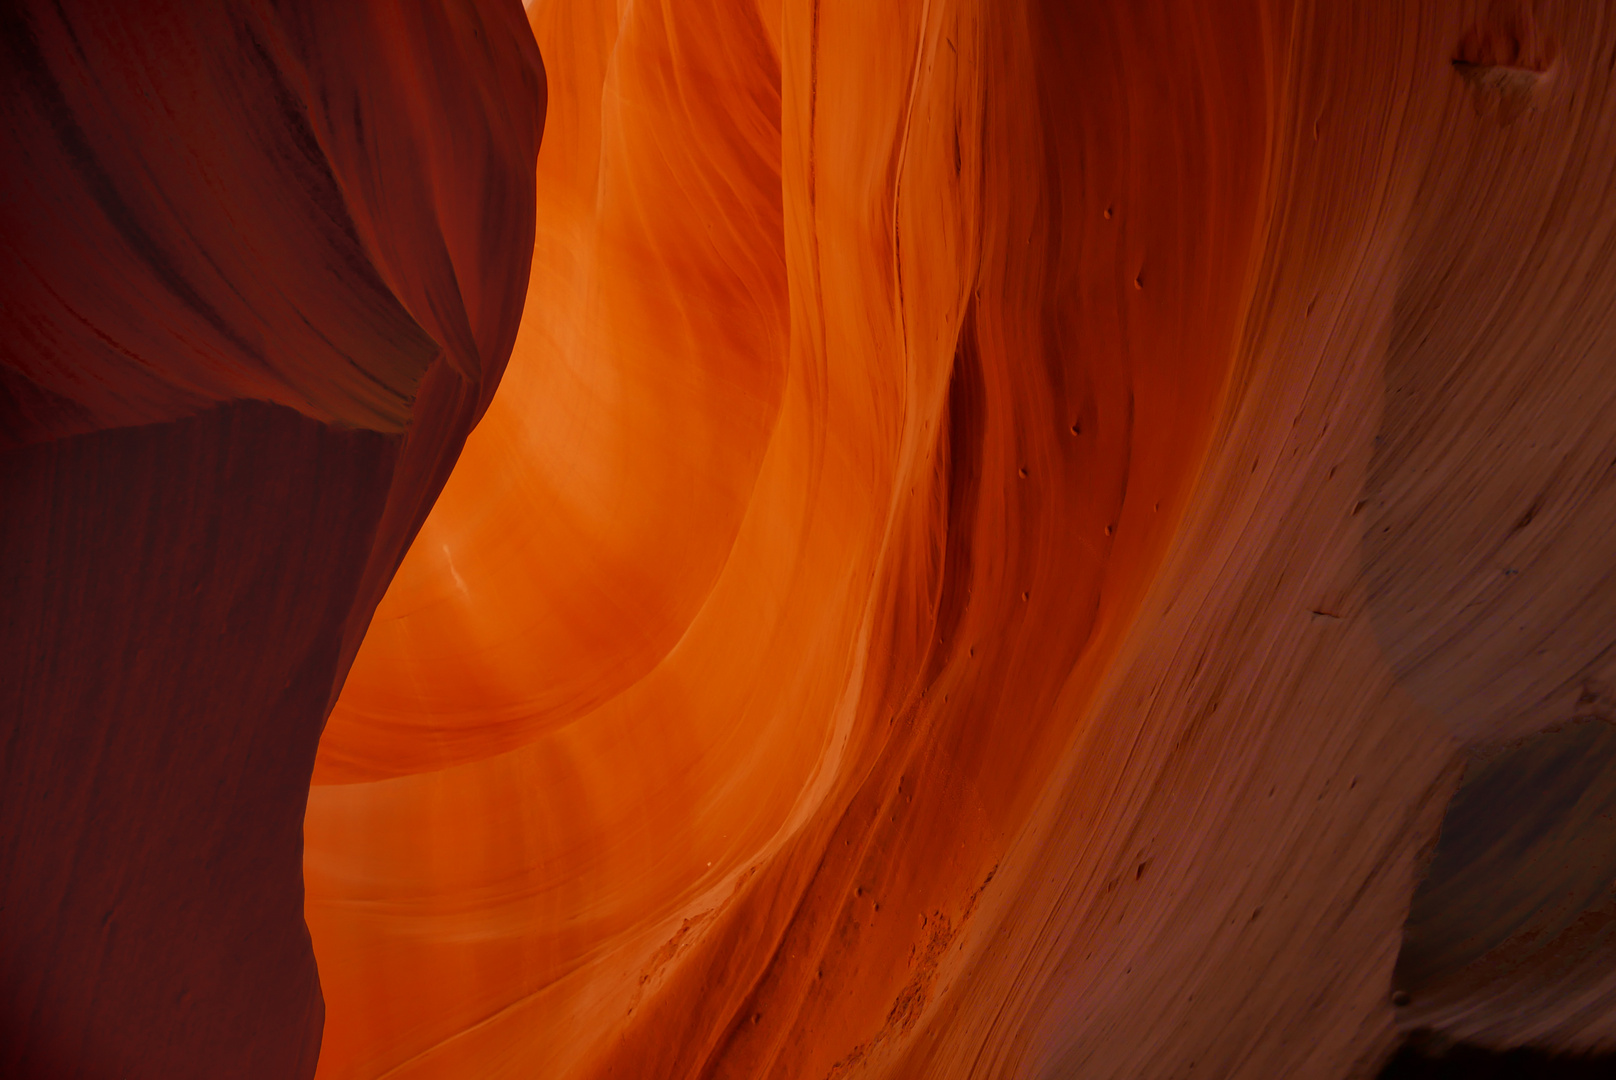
(1001, 532)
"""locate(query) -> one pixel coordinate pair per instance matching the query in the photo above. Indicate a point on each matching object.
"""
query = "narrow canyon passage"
(943, 539)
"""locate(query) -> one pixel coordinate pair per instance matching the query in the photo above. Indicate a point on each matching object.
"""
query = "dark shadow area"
(172, 603)
(1417, 1061)
(1511, 935)
(1528, 847)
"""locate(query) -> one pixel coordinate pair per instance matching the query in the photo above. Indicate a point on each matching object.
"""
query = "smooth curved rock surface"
(999, 530)
(1003, 532)
(258, 283)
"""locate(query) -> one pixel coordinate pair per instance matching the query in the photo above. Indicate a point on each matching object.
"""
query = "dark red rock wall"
(175, 596)
(260, 269)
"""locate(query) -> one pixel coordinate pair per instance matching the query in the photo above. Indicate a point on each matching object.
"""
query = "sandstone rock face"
(258, 284)
(1004, 528)
(1000, 527)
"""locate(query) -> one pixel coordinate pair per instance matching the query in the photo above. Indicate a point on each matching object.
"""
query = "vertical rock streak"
(951, 584)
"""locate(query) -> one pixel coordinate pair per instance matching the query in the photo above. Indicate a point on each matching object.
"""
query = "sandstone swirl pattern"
(945, 587)
(1002, 532)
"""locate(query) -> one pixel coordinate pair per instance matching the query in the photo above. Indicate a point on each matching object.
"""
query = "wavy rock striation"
(1000, 527)
(1003, 532)
(259, 282)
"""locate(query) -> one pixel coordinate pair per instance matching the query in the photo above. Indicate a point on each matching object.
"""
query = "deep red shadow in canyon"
(259, 283)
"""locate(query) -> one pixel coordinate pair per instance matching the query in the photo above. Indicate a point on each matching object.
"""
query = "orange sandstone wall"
(1003, 529)
(943, 589)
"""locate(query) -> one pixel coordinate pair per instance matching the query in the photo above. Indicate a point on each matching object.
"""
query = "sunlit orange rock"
(1040, 539)
(956, 578)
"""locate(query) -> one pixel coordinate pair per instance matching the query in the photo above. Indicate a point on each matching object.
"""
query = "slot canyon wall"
(1037, 539)
(262, 267)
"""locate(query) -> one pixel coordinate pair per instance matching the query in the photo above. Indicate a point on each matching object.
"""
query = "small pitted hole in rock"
(1399, 998)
